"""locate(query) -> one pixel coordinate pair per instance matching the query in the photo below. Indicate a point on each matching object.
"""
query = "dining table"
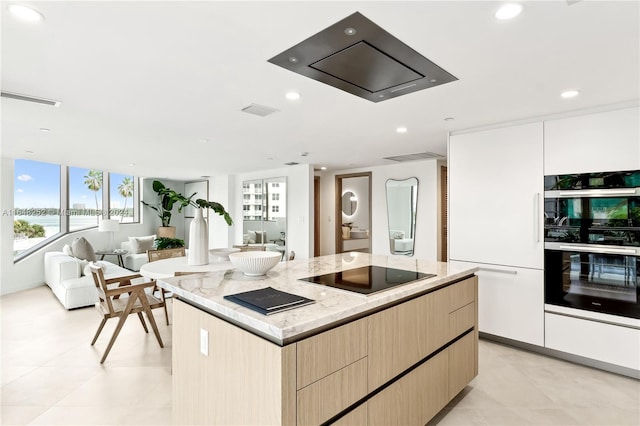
(167, 268)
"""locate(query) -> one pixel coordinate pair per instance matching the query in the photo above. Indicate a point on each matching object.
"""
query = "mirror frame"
(412, 182)
(353, 204)
(265, 205)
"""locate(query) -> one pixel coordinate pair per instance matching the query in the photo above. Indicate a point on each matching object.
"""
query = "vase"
(198, 240)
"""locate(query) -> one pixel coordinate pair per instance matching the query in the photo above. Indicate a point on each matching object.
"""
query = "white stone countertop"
(333, 306)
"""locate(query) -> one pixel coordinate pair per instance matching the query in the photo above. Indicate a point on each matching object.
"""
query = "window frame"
(64, 207)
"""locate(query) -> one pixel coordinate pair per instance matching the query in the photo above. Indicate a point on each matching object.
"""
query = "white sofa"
(132, 261)
(64, 274)
(399, 244)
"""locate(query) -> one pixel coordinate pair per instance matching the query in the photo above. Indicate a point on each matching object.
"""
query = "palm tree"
(94, 182)
(125, 189)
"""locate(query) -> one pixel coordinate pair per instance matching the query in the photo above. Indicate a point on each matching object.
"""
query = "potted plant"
(198, 231)
(162, 243)
(168, 198)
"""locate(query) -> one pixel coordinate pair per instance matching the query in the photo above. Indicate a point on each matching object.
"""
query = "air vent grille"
(260, 110)
(414, 157)
(33, 99)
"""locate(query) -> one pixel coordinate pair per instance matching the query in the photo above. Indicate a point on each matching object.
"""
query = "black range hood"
(359, 57)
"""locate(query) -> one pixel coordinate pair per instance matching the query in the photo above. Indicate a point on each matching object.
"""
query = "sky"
(37, 184)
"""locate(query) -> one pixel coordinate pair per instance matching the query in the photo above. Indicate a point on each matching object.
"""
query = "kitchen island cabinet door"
(496, 196)
(510, 302)
(602, 142)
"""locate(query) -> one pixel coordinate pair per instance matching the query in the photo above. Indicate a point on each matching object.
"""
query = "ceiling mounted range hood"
(359, 57)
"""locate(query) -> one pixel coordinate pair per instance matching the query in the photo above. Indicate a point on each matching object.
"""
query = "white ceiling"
(145, 82)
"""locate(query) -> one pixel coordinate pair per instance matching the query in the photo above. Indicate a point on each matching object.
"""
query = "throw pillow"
(87, 268)
(141, 244)
(261, 237)
(82, 249)
(398, 235)
(82, 265)
(67, 250)
(252, 237)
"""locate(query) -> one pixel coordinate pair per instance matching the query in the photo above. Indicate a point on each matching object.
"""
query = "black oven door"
(601, 279)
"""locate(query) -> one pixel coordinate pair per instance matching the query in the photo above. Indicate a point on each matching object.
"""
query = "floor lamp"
(110, 226)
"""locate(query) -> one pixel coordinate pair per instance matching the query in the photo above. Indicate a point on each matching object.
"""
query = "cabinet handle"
(501, 271)
(537, 217)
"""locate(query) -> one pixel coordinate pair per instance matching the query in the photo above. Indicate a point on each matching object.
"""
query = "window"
(275, 197)
(51, 200)
(246, 196)
(121, 195)
(36, 201)
(258, 197)
(258, 207)
(275, 209)
(275, 185)
(246, 207)
(85, 197)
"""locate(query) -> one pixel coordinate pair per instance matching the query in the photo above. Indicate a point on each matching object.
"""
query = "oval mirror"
(349, 203)
(402, 203)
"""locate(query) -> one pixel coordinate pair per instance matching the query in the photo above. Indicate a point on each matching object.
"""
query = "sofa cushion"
(82, 249)
(66, 249)
(86, 271)
(141, 244)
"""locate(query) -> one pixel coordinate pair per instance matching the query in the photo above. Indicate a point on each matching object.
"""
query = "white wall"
(299, 206)
(427, 220)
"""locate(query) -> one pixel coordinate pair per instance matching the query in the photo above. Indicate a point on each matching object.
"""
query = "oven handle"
(501, 271)
(591, 193)
(598, 249)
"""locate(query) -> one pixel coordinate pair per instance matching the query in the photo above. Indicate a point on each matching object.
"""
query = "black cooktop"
(368, 279)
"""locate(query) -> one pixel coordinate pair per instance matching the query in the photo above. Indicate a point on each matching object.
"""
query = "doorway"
(353, 212)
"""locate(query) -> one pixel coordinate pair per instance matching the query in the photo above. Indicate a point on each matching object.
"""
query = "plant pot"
(167, 231)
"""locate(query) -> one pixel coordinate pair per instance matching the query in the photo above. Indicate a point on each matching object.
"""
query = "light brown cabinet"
(416, 356)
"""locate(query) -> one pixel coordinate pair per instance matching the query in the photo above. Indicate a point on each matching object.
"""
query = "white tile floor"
(52, 376)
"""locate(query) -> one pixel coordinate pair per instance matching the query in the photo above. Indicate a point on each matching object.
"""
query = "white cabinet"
(600, 142)
(510, 302)
(496, 196)
(610, 343)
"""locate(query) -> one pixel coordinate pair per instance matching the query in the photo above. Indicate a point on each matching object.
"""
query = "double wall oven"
(592, 242)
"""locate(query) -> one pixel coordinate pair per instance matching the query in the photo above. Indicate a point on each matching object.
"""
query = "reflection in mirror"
(402, 202)
(349, 203)
(264, 205)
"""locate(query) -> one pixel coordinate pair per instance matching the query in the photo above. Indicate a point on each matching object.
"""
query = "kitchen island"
(393, 357)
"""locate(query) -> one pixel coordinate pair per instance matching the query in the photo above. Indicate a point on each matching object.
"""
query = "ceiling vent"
(33, 99)
(260, 110)
(359, 57)
(414, 157)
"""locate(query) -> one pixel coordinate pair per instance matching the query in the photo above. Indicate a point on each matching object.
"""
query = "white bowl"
(255, 263)
(223, 253)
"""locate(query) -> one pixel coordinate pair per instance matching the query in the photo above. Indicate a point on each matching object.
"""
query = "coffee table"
(117, 253)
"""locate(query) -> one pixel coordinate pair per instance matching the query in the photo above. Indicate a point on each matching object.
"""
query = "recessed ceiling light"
(401, 130)
(205, 176)
(131, 164)
(304, 154)
(350, 31)
(293, 59)
(570, 94)
(204, 140)
(449, 119)
(292, 96)
(323, 168)
(44, 129)
(25, 13)
(508, 11)
(29, 152)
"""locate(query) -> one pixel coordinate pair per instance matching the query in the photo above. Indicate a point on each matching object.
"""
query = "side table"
(118, 254)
